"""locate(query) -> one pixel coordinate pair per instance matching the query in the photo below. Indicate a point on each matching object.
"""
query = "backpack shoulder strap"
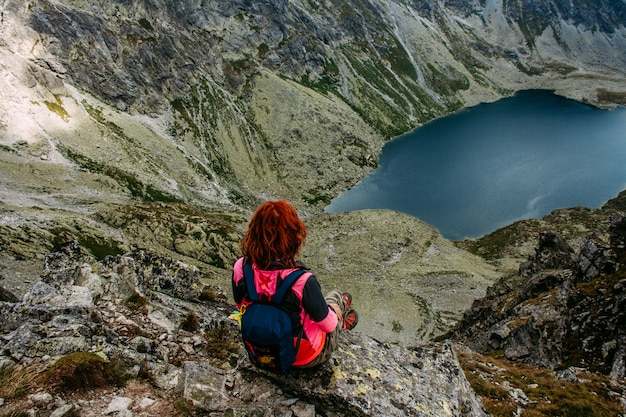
(287, 283)
(282, 289)
(248, 274)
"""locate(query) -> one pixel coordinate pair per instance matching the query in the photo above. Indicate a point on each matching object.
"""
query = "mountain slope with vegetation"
(214, 104)
(558, 320)
(158, 125)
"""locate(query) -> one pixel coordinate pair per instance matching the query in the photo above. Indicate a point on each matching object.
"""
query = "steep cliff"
(563, 308)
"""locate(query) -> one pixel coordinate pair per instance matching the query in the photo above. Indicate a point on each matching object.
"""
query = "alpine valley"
(137, 137)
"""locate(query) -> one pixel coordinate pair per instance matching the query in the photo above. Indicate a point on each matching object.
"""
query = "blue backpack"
(266, 327)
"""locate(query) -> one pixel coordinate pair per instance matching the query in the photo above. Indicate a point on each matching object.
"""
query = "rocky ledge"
(562, 309)
(171, 336)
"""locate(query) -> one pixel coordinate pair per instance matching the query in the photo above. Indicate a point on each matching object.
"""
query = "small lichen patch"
(339, 374)
(373, 373)
(361, 389)
(446, 409)
(58, 109)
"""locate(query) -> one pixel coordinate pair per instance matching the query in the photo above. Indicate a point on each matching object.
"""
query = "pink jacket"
(314, 331)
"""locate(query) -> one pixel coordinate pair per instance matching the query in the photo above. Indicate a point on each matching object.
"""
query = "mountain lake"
(488, 166)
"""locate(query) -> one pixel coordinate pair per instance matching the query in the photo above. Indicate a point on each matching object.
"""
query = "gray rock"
(373, 379)
(118, 404)
(552, 252)
(41, 399)
(7, 296)
(364, 376)
(65, 410)
(560, 306)
(204, 386)
(302, 409)
(596, 258)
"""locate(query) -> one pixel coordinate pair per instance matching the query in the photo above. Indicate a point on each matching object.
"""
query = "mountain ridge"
(159, 125)
(403, 68)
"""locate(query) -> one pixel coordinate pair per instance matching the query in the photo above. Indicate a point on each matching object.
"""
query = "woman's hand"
(337, 310)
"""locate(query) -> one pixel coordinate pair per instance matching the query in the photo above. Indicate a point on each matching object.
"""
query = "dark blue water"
(485, 167)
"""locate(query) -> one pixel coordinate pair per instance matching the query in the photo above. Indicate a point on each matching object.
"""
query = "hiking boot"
(350, 319)
(347, 300)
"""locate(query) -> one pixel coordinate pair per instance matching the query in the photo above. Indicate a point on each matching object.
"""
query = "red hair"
(275, 235)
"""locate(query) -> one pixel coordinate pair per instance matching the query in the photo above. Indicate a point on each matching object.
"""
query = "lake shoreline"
(508, 150)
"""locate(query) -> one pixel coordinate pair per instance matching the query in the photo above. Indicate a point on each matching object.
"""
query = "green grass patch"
(18, 380)
(560, 68)
(262, 50)
(100, 248)
(400, 61)
(209, 294)
(135, 186)
(446, 83)
(136, 301)
(318, 195)
(222, 342)
(191, 323)
(145, 24)
(529, 70)
(493, 379)
(618, 203)
(495, 245)
(84, 371)
(57, 108)
(616, 97)
(240, 66)
(98, 116)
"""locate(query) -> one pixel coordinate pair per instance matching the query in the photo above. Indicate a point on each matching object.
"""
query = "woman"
(272, 245)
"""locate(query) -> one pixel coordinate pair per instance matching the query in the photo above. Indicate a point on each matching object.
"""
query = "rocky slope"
(157, 126)
(409, 285)
(563, 308)
(152, 318)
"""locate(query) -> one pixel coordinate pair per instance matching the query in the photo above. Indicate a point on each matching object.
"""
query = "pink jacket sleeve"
(329, 324)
